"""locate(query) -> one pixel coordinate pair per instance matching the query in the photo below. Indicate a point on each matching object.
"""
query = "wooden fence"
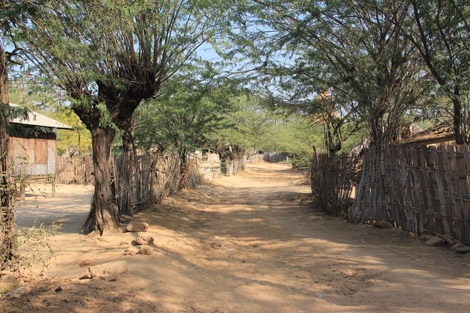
(139, 181)
(417, 188)
(74, 170)
(144, 180)
(332, 183)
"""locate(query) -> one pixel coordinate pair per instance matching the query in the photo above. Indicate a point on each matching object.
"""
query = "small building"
(32, 150)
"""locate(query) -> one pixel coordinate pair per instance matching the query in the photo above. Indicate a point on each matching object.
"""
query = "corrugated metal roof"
(37, 119)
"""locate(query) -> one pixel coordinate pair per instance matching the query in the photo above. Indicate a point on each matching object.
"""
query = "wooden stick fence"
(74, 170)
(332, 183)
(144, 180)
(417, 188)
(139, 181)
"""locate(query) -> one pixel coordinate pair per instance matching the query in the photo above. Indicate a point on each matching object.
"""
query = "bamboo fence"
(142, 180)
(332, 179)
(419, 189)
(74, 170)
(138, 181)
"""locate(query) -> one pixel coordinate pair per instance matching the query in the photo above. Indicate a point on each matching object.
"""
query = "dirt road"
(250, 243)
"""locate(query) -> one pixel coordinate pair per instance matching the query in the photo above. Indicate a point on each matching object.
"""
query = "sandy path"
(68, 209)
(250, 243)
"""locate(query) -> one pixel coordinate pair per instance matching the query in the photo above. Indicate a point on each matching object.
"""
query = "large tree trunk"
(7, 214)
(184, 169)
(104, 213)
(128, 161)
(460, 138)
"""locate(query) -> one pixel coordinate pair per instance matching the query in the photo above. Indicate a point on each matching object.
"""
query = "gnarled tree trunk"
(104, 213)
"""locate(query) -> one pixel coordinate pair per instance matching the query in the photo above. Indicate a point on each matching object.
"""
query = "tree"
(76, 142)
(248, 126)
(10, 12)
(108, 56)
(190, 107)
(440, 31)
(350, 49)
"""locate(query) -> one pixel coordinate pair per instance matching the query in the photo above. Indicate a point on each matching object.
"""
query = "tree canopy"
(108, 56)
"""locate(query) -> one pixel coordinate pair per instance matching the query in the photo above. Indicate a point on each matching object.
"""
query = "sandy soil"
(68, 209)
(250, 243)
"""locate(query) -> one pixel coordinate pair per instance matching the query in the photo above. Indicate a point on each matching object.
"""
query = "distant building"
(33, 144)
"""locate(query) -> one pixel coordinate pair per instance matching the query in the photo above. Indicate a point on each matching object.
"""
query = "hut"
(32, 150)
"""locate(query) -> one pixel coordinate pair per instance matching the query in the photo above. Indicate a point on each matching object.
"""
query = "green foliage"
(34, 246)
(28, 89)
(351, 53)
(256, 127)
(77, 140)
(440, 31)
(249, 126)
(116, 53)
(181, 118)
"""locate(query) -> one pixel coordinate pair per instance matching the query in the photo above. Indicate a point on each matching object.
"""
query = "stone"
(107, 277)
(435, 241)
(84, 263)
(58, 289)
(457, 245)
(215, 245)
(8, 279)
(15, 293)
(426, 237)
(136, 226)
(111, 268)
(463, 250)
(382, 224)
(131, 251)
(145, 251)
(449, 240)
(143, 240)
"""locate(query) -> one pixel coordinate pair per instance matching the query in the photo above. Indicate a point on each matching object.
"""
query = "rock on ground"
(143, 240)
(145, 251)
(435, 241)
(111, 268)
(84, 263)
(135, 226)
(131, 251)
(463, 249)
